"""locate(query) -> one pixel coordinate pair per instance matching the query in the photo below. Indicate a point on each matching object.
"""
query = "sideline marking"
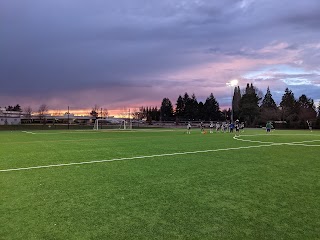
(28, 132)
(99, 131)
(132, 158)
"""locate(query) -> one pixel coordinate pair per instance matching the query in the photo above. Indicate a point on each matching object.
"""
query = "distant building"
(62, 119)
(9, 117)
(16, 118)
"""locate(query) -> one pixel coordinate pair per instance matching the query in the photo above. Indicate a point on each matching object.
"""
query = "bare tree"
(95, 111)
(28, 113)
(57, 113)
(105, 112)
(124, 113)
(42, 111)
(136, 114)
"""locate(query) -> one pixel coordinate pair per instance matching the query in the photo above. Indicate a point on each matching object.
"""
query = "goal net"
(125, 125)
(100, 124)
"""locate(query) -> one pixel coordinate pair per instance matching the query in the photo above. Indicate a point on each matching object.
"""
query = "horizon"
(126, 110)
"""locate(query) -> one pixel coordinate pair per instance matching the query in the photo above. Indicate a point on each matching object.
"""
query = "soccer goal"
(100, 124)
(125, 125)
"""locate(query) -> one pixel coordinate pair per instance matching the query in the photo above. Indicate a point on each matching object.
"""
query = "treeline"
(15, 108)
(248, 105)
(255, 110)
(42, 111)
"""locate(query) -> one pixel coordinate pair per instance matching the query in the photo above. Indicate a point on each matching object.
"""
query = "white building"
(9, 117)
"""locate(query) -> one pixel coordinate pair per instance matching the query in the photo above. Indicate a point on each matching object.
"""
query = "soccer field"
(159, 184)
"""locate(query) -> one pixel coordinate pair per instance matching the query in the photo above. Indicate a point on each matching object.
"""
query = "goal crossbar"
(99, 122)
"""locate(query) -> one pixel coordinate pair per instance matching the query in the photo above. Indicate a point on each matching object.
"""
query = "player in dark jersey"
(202, 127)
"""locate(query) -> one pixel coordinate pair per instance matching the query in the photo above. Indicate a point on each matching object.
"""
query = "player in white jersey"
(189, 128)
(224, 127)
(217, 127)
(237, 128)
(309, 125)
(211, 127)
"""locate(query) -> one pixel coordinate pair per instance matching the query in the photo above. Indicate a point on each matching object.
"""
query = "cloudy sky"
(127, 53)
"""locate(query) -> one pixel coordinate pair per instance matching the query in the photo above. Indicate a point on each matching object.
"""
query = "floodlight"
(234, 82)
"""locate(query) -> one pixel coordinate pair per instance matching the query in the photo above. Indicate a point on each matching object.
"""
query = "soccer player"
(189, 128)
(217, 127)
(231, 127)
(211, 127)
(242, 126)
(268, 127)
(202, 127)
(237, 127)
(224, 127)
(309, 125)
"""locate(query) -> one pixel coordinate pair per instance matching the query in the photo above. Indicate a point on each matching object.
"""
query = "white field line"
(267, 144)
(279, 134)
(42, 133)
(28, 132)
(302, 143)
(99, 131)
(132, 158)
(251, 141)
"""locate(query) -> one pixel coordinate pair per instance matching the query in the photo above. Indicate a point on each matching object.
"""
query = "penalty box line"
(133, 158)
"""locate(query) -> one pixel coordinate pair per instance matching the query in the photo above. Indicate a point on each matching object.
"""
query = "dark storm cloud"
(308, 18)
(64, 48)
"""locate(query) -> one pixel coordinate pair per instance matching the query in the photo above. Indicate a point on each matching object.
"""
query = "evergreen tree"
(194, 108)
(186, 98)
(306, 108)
(166, 110)
(154, 113)
(249, 105)
(180, 108)
(236, 102)
(17, 108)
(212, 109)
(306, 103)
(288, 104)
(250, 89)
(201, 111)
(9, 108)
(269, 110)
(268, 101)
(188, 115)
(225, 114)
(142, 113)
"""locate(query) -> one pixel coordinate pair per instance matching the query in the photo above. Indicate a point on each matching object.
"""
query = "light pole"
(232, 84)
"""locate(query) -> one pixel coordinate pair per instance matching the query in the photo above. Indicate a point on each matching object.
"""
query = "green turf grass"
(266, 192)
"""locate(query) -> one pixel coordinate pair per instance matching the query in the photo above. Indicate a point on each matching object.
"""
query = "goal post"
(125, 125)
(100, 123)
